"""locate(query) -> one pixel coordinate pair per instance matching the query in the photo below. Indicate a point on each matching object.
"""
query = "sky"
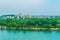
(33, 7)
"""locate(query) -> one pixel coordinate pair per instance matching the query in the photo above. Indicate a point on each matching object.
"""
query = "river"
(29, 35)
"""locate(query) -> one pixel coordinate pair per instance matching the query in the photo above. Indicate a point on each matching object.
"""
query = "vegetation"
(30, 23)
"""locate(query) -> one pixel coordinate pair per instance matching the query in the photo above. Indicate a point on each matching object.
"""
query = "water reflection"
(26, 31)
(29, 35)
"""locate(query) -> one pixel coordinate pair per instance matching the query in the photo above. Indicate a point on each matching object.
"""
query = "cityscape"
(20, 15)
(29, 19)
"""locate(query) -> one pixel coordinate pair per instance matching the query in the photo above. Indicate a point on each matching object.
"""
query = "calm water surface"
(29, 35)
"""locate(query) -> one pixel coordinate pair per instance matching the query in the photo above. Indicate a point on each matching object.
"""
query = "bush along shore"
(30, 23)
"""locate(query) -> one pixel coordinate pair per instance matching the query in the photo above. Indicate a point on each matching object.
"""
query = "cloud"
(23, 6)
(22, 2)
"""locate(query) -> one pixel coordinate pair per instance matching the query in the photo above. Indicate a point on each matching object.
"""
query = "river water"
(29, 35)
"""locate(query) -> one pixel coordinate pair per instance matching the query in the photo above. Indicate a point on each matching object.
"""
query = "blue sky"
(38, 7)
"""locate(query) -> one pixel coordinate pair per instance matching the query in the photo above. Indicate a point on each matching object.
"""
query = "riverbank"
(40, 29)
(14, 28)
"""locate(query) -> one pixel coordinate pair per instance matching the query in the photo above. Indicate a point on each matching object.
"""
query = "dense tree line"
(31, 22)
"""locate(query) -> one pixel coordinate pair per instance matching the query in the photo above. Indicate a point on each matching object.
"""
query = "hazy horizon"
(32, 7)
